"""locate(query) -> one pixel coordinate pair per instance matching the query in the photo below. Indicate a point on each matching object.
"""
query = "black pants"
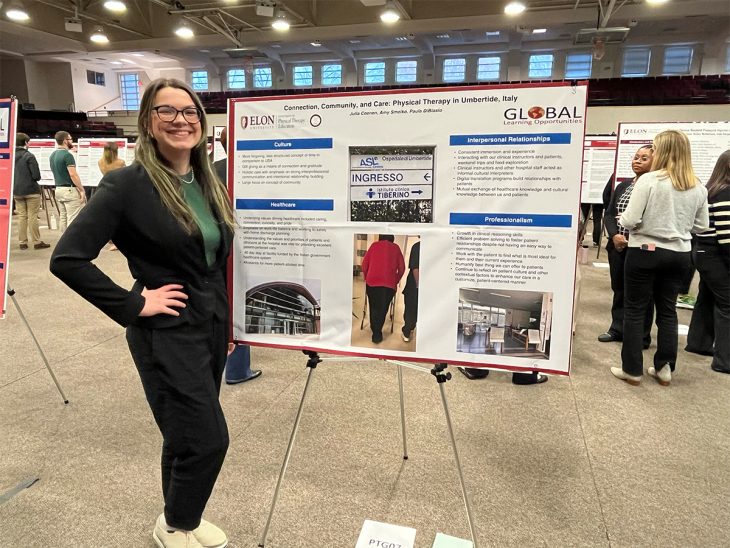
(689, 274)
(616, 263)
(410, 311)
(651, 273)
(379, 300)
(597, 218)
(710, 325)
(181, 371)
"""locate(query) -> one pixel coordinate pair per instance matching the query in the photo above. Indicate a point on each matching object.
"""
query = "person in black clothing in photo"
(709, 330)
(618, 239)
(410, 293)
(170, 216)
(27, 194)
(597, 219)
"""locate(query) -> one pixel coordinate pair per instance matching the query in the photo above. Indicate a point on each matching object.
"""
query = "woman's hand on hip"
(163, 300)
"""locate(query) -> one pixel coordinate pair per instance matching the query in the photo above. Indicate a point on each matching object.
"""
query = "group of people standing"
(650, 222)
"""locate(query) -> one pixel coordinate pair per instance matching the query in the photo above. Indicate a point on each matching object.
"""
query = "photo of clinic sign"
(435, 225)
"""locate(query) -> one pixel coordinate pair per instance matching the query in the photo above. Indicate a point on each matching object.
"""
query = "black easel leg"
(11, 293)
(314, 359)
(402, 412)
(438, 371)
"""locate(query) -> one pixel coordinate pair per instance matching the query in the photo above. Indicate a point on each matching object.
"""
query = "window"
(578, 65)
(540, 65)
(375, 72)
(677, 59)
(331, 75)
(488, 68)
(727, 59)
(129, 85)
(96, 78)
(262, 77)
(636, 62)
(454, 70)
(199, 80)
(236, 79)
(303, 75)
(406, 71)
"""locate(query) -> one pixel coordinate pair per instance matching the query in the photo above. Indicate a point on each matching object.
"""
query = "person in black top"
(616, 247)
(709, 330)
(410, 293)
(170, 216)
(27, 194)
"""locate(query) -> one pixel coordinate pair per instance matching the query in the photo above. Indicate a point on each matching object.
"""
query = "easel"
(11, 294)
(438, 371)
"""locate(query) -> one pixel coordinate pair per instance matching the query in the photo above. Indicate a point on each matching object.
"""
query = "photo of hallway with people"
(385, 291)
(507, 323)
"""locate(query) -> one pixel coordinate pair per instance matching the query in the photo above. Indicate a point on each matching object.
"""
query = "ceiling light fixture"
(184, 31)
(281, 23)
(656, 2)
(390, 15)
(539, 31)
(316, 43)
(117, 6)
(514, 8)
(99, 36)
(116, 62)
(492, 33)
(16, 12)
(138, 54)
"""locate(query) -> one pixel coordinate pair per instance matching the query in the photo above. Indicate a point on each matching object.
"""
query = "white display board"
(599, 155)
(42, 149)
(90, 151)
(707, 139)
(218, 151)
(495, 224)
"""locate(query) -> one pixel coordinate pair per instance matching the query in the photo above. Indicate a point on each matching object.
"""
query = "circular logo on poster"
(244, 122)
(536, 112)
(315, 120)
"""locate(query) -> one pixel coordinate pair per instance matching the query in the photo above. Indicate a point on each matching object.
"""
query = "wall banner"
(707, 139)
(435, 225)
(8, 113)
(599, 154)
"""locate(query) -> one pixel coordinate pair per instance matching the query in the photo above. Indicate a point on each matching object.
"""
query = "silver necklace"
(192, 178)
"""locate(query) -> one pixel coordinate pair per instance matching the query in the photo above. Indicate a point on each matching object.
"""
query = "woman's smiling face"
(173, 137)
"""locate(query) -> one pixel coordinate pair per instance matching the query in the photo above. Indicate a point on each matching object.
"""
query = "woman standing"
(618, 239)
(382, 267)
(110, 159)
(171, 218)
(710, 323)
(665, 207)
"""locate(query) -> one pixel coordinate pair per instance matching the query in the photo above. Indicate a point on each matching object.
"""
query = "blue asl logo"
(370, 193)
(371, 161)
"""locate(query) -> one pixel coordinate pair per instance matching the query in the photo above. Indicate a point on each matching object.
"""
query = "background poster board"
(90, 151)
(218, 151)
(707, 139)
(497, 238)
(599, 155)
(42, 149)
(8, 112)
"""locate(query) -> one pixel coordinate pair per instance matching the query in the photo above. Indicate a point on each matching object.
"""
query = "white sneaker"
(663, 376)
(619, 374)
(210, 536)
(173, 539)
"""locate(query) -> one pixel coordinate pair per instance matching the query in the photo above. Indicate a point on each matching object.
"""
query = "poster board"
(496, 232)
(707, 140)
(8, 113)
(599, 155)
(90, 151)
(218, 151)
(42, 149)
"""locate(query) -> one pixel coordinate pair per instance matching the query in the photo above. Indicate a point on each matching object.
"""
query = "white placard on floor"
(600, 265)
(446, 541)
(383, 535)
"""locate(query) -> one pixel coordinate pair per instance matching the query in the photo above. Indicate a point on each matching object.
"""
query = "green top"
(60, 161)
(206, 221)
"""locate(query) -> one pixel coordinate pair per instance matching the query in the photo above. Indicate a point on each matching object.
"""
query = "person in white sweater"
(668, 204)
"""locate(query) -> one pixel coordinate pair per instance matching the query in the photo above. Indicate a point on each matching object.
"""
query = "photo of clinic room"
(506, 323)
(385, 273)
(284, 308)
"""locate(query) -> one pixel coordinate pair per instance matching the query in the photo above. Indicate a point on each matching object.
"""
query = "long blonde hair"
(110, 152)
(673, 156)
(165, 180)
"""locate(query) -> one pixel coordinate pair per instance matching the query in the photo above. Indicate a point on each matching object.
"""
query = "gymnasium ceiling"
(227, 31)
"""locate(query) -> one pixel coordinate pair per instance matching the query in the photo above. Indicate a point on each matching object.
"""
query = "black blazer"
(609, 217)
(126, 208)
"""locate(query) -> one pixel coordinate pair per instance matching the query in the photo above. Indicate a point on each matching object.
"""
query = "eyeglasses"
(168, 113)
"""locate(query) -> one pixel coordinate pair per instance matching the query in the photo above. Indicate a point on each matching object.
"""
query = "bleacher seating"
(45, 124)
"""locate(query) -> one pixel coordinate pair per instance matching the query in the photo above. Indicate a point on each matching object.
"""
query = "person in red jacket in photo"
(382, 267)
